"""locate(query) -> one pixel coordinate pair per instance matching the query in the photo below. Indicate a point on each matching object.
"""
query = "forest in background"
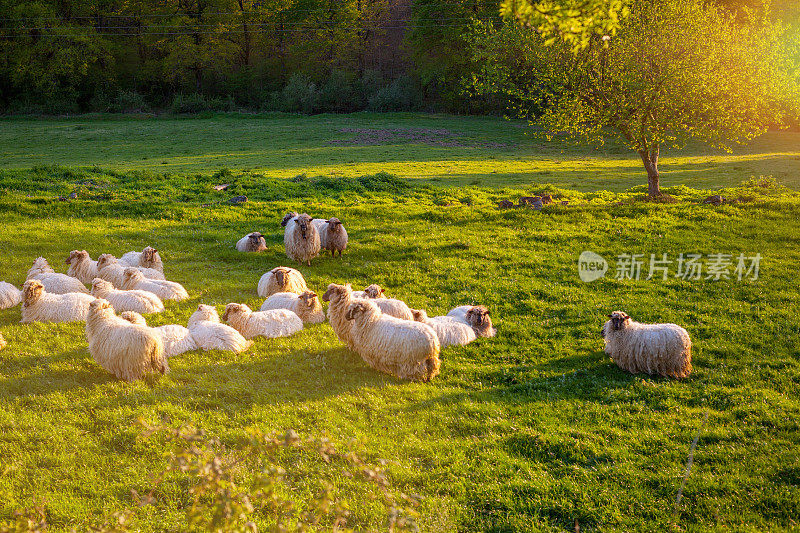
(65, 56)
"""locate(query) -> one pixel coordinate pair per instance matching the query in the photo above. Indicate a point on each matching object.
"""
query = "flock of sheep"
(385, 332)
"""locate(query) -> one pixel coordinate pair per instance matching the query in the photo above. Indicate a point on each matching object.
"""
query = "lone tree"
(674, 71)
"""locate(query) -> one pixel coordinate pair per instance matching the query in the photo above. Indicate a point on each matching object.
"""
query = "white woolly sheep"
(40, 306)
(81, 266)
(146, 259)
(281, 279)
(53, 282)
(301, 239)
(307, 305)
(110, 269)
(3, 342)
(475, 316)
(332, 236)
(403, 348)
(177, 339)
(9, 295)
(393, 307)
(374, 291)
(210, 334)
(166, 290)
(448, 331)
(129, 351)
(122, 300)
(270, 324)
(252, 242)
(662, 349)
(340, 298)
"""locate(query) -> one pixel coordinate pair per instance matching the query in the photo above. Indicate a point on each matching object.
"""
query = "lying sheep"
(129, 351)
(40, 306)
(475, 316)
(110, 269)
(127, 300)
(301, 239)
(662, 349)
(166, 290)
(252, 242)
(9, 295)
(340, 298)
(3, 342)
(332, 236)
(403, 348)
(448, 331)
(177, 339)
(53, 282)
(306, 305)
(281, 279)
(146, 259)
(209, 334)
(374, 291)
(393, 307)
(81, 266)
(270, 324)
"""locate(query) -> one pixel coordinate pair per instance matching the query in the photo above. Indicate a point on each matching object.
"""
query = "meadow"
(533, 430)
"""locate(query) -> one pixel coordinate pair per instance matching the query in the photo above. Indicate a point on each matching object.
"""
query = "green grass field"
(533, 430)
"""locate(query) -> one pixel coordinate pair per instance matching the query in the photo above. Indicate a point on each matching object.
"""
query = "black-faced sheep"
(403, 348)
(252, 242)
(53, 282)
(40, 306)
(127, 350)
(660, 349)
(281, 279)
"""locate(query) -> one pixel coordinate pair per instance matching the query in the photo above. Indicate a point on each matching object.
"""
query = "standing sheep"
(332, 236)
(122, 300)
(403, 348)
(270, 324)
(448, 331)
(40, 306)
(475, 316)
(9, 295)
(252, 242)
(301, 239)
(146, 259)
(129, 351)
(53, 282)
(209, 334)
(281, 279)
(662, 349)
(306, 305)
(81, 266)
(166, 290)
(288, 217)
(177, 339)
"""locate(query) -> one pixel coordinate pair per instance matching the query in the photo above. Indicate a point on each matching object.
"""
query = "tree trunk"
(650, 159)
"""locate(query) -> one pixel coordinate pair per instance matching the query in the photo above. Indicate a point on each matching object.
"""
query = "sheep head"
(334, 224)
(100, 287)
(76, 256)
(132, 274)
(303, 222)
(287, 217)
(101, 307)
(420, 315)
(357, 309)
(133, 317)
(254, 237)
(234, 310)
(32, 291)
(478, 317)
(40, 266)
(309, 298)
(619, 319)
(207, 312)
(280, 274)
(373, 291)
(336, 292)
(149, 255)
(105, 260)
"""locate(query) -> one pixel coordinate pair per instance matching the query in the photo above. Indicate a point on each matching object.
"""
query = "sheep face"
(280, 275)
(77, 256)
(478, 317)
(101, 307)
(287, 217)
(105, 260)
(100, 287)
(254, 237)
(619, 320)
(149, 255)
(419, 315)
(234, 310)
(208, 313)
(334, 225)
(303, 222)
(309, 299)
(336, 292)
(39, 265)
(31, 292)
(373, 291)
(132, 275)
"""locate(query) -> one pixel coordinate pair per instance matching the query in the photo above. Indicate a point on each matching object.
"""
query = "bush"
(198, 103)
(337, 94)
(123, 102)
(394, 97)
(300, 94)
